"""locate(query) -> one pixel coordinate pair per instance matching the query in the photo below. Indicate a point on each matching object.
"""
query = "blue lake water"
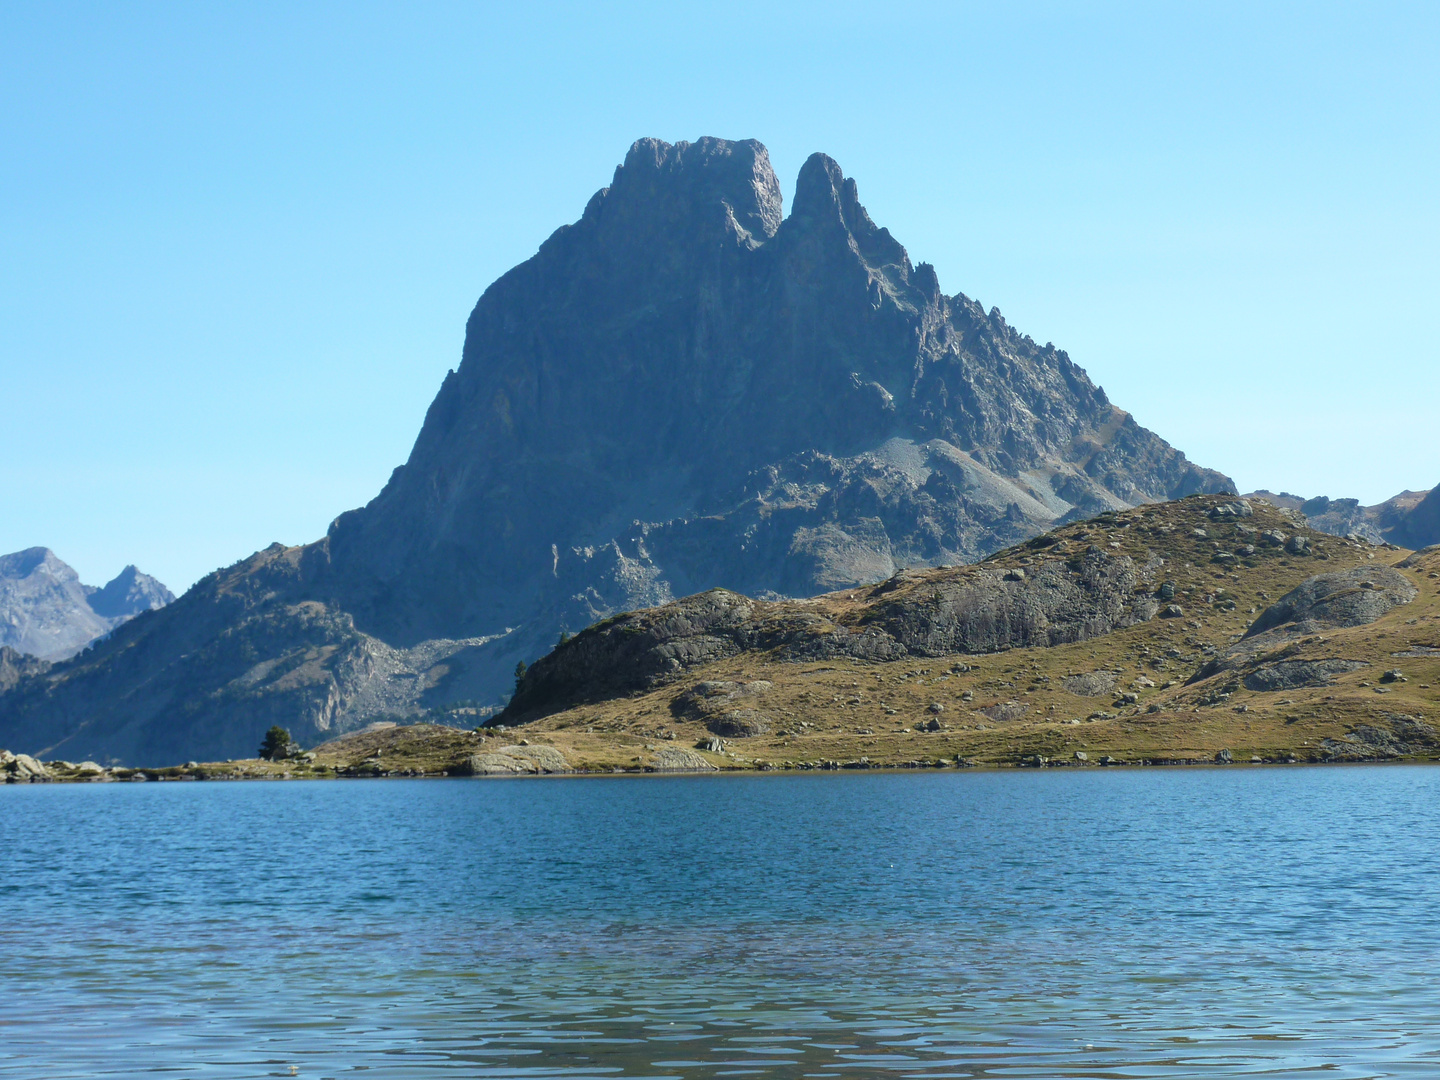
(1119, 924)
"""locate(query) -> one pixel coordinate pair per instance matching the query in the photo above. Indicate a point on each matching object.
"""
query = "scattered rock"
(1172, 611)
(1223, 758)
(1089, 684)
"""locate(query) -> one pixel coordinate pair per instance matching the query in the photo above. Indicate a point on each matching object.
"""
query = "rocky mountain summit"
(48, 613)
(685, 389)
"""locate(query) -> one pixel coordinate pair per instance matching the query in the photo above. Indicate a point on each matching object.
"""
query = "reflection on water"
(1213, 923)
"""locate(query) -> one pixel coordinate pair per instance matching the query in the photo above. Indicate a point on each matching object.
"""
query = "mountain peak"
(677, 186)
(21, 564)
(128, 594)
(46, 611)
(680, 390)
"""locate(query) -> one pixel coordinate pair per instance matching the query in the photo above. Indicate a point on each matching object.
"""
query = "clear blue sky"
(238, 242)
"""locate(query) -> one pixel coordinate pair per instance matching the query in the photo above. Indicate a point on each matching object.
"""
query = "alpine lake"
(1186, 923)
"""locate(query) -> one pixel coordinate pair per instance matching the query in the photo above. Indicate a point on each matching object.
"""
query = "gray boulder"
(22, 768)
(1398, 736)
(740, 723)
(1343, 598)
(676, 759)
(514, 761)
(1299, 674)
(1090, 683)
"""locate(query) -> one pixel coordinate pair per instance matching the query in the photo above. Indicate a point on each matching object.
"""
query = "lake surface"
(1120, 923)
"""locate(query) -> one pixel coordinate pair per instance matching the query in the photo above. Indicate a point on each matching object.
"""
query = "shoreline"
(224, 773)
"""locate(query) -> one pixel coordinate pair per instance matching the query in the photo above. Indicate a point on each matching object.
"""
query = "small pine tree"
(276, 745)
(519, 673)
(564, 637)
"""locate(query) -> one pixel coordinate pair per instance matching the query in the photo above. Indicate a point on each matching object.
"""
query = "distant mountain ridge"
(1410, 519)
(683, 389)
(48, 613)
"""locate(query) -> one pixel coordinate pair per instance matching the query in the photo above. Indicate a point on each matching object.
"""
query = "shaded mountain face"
(1419, 526)
(683, 389)
(46, 612)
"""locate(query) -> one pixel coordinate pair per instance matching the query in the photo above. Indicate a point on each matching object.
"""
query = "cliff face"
(682, 390)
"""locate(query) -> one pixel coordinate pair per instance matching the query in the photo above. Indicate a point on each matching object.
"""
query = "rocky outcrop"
(46, 612)
(726, 708)
(1400, 736)
(1345, 598)
(1299, 674)
(1353, 597)
(514, 761)
(974, 609)
(684, 389)
(22, 769)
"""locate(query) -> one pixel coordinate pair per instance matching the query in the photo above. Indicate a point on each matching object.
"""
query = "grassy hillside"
(1005, 708)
